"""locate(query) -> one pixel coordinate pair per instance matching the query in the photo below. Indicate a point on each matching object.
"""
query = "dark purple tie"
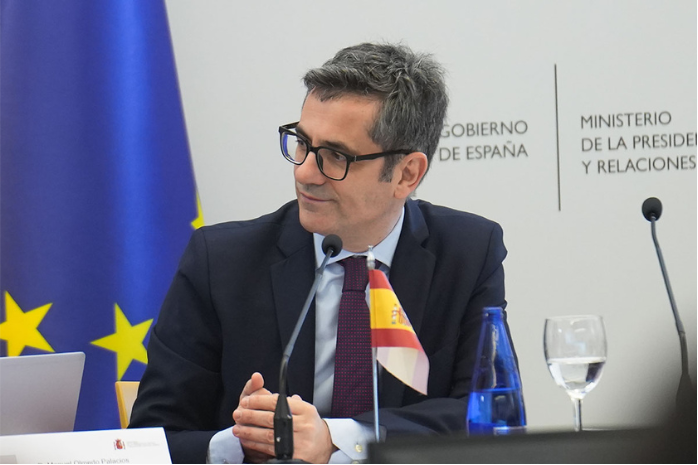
(353, 387)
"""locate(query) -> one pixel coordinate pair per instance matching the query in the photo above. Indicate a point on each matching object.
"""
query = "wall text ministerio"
(629, 150)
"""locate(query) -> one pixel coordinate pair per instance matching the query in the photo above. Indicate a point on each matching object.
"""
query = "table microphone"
(283, 420)
(652, 210)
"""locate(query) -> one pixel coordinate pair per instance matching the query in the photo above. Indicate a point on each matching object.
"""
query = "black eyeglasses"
(332, 163)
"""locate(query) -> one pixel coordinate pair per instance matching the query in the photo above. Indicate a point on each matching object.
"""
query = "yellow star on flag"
(199, 220)
(20, 329)
(127, 341)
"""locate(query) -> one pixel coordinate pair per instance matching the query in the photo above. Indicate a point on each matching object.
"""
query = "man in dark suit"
(369, 126)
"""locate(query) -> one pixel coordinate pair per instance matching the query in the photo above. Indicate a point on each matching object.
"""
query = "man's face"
(360, 209)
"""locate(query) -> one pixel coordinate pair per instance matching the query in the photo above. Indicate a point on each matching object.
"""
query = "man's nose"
(309, 171)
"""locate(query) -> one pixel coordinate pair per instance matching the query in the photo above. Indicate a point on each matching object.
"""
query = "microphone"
(652, 210)
(283, 420)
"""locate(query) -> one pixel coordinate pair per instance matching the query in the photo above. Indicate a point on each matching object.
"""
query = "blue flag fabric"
(97, 194)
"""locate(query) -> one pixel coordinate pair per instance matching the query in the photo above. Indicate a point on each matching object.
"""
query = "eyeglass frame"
(289, 129)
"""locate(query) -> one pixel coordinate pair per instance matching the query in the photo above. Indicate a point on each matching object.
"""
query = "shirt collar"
(383, 251)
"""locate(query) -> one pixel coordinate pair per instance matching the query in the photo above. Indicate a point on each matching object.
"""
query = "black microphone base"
(286, 461)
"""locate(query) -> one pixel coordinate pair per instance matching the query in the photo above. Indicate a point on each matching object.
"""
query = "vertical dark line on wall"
(557, 141)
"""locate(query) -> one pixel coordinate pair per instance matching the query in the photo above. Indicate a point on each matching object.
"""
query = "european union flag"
(97, 194)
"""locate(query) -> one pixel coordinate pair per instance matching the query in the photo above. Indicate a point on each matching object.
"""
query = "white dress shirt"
(350, 437)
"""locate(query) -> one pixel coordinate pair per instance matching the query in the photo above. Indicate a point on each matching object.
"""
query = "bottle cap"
(492, 310)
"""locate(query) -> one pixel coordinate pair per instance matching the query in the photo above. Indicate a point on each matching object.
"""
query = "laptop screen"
(39, 393)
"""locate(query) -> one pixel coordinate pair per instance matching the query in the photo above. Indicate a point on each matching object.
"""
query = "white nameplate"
(113, 446)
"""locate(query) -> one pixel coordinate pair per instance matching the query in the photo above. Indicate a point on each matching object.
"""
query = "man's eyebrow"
(340, 146)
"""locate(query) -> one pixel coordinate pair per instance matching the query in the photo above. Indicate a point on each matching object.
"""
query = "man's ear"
(409, 173)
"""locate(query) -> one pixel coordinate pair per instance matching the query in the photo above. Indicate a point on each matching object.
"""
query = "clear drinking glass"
(575, 350)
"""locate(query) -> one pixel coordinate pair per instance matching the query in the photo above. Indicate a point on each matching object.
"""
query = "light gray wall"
(580, 248)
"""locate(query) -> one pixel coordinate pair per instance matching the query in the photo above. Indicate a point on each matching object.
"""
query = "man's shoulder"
(285, 215)
(259, 230)
(449, 218)
(451, 233)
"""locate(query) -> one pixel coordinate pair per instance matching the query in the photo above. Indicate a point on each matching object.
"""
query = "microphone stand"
(684, 389)
(283, 420)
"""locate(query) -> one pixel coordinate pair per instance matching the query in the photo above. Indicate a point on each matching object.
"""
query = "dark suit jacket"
(239, 290)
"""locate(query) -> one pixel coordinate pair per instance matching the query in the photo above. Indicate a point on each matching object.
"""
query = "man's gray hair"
(410, 87)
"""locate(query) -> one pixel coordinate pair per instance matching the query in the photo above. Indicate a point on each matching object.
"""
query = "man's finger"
(255, 383)
(260, 402)
(261, 392)
(299, 406)
(254, 434)
(260, 418)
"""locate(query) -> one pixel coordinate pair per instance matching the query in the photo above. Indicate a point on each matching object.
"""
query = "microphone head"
(332, 242)
(652, 209)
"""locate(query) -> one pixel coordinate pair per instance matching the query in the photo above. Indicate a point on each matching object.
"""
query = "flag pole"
(375, 396)
(371, 263)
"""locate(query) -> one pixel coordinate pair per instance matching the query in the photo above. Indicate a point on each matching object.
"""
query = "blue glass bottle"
(495, 404)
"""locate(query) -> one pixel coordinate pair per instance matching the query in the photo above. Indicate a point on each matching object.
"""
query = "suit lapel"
(413, 266)
(410, 276)
(292, 278)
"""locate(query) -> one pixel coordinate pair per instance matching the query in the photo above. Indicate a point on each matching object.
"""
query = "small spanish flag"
(398, 348)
